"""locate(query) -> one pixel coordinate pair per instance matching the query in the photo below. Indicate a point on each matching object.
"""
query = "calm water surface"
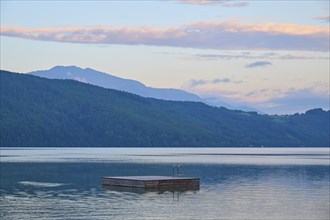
(64, 183)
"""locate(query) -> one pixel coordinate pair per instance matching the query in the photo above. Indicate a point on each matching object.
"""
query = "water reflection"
(160, 190)
(73, 190)
(267, 156)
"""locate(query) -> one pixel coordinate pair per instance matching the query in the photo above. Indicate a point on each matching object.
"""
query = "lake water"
(236, 183)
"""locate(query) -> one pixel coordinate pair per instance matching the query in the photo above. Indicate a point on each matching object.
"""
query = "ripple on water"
(41, 184)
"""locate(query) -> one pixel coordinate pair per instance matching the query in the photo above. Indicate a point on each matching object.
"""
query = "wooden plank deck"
(150, 182)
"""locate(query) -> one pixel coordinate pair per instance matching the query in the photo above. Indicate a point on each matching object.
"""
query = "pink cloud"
(268, 28)
(295, 100)
(325, 18)
(229, 35)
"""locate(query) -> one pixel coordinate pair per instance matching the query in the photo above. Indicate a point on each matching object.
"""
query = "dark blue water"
(65, 184)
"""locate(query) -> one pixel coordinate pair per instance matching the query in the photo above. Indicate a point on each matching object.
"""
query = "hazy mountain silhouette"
(105, 80)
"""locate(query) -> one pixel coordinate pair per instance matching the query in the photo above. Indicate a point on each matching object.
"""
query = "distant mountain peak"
(106, 80)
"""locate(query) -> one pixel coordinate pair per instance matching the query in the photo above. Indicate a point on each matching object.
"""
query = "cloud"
(258, 64)
(227, 35)
(249, 55)
(299, 57)
(323, 18)
(216, 81)
(195, 83)
(279, 101)
(223, 3)
(260, 95)
(295, 100)
(267, 100)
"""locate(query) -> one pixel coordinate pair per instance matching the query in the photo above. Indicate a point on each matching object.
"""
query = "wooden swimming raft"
(151, 182)
(176, 182)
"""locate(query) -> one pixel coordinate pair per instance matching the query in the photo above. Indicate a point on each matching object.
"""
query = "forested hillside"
(52, 113)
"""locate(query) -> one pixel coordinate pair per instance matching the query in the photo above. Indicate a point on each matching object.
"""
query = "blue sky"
(271, 55)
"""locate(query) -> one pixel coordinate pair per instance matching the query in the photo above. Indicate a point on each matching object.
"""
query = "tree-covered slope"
(43, 112)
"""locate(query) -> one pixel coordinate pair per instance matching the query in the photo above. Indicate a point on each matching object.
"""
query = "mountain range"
(106, 80)
(109, 81)
(40, 112)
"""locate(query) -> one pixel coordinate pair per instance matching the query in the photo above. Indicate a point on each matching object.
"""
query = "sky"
(269, 55)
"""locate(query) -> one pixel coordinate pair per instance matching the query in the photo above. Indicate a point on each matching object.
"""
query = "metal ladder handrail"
(178, 168)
